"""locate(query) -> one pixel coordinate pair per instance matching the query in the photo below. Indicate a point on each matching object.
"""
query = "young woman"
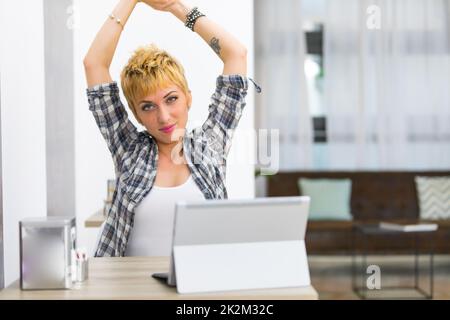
(163, 164)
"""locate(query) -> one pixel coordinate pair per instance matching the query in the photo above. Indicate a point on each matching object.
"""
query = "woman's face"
(165, 113)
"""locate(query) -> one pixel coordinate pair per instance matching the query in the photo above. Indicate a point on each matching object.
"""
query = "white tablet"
(239, 244)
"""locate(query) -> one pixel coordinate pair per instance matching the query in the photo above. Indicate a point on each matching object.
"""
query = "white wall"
(313, 10)
(93, 163)
(23, 121)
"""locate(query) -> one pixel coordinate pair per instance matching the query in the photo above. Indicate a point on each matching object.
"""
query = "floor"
(332, 276)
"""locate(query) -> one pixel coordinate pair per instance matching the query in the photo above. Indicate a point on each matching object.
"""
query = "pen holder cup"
(82, 270)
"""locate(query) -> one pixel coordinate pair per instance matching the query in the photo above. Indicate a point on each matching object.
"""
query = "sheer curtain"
(283, 104)
(387, 89)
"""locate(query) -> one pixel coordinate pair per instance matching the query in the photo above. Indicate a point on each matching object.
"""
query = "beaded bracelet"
(192, 17)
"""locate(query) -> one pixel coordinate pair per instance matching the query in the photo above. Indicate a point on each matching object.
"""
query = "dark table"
(364, 233)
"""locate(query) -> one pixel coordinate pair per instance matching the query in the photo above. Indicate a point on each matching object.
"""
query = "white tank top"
(153, 219)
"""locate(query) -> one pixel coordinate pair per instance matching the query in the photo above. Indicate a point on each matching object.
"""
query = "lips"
(168, 129)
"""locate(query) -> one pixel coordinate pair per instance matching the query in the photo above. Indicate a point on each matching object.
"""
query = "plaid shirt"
(135, 154)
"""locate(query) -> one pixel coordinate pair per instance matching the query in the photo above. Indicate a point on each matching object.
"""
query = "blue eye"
(172, 99)
(146, 107)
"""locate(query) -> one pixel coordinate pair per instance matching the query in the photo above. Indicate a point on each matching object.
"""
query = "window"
(314, 78)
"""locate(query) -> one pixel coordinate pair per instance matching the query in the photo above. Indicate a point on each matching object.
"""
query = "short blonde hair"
(149, 69)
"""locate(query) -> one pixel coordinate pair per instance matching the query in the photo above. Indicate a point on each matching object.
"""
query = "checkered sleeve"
(112, 119)
(225, 111)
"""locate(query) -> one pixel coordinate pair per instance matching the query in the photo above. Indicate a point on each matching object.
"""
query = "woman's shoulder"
(142, 147)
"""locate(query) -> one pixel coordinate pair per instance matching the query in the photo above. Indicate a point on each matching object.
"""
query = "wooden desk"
(95, 221)
(130, 278)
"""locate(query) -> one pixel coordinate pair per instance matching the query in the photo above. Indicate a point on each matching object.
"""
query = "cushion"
(330, 198)
(434, 197)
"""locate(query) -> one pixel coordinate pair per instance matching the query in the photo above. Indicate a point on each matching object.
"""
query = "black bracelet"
(192, 17)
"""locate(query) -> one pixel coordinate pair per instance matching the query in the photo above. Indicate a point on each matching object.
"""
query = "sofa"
(375, 196)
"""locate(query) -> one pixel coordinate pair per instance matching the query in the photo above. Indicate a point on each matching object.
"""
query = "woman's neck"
(166, 150)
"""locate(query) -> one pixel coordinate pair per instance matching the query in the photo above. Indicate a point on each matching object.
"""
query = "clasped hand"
(161, 5)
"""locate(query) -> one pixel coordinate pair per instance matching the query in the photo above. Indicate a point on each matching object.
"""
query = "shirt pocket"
(139, 180)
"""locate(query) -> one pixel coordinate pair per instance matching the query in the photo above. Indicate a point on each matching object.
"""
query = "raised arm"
(99, 56)
(226, 46)
(103, 94)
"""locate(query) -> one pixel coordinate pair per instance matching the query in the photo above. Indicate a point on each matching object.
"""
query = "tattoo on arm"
(214, 43)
